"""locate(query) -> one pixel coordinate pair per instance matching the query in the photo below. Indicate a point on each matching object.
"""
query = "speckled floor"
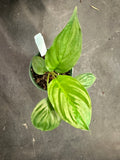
(19, 22)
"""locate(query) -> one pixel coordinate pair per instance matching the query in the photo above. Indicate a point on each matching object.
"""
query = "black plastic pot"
(32, 78)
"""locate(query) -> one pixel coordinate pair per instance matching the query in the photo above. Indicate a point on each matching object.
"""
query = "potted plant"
(68, 98)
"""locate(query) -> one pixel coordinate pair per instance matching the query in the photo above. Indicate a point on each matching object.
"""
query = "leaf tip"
(75, 11)
(94, 78)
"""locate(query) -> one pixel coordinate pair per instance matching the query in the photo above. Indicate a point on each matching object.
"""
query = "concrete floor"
(19, 22)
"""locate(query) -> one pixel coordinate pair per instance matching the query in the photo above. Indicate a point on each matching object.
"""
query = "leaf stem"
(48, 79)
(54, 74)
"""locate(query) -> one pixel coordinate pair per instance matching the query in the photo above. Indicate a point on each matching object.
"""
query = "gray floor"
(19, 22)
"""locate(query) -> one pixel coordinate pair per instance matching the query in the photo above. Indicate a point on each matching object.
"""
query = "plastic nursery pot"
(32, 78)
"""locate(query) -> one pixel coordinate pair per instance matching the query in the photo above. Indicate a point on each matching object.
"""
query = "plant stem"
(48, 78)
(54, 74)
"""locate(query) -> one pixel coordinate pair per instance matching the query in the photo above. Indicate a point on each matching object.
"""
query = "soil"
(41, 80)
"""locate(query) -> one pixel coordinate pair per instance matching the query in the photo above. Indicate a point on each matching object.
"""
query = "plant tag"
(39, 40)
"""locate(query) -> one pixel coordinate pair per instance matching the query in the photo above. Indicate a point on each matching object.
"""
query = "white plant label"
(39, 40)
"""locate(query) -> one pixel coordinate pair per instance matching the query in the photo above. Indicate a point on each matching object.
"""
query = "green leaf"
(38, 65)
(66, 48)
(44, 117)
(86, 79)
(71, 101)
